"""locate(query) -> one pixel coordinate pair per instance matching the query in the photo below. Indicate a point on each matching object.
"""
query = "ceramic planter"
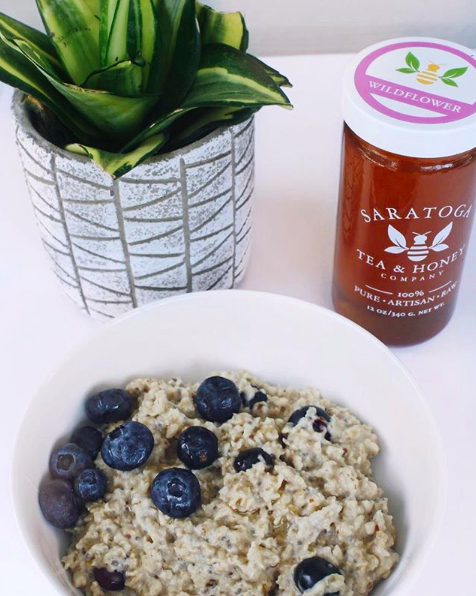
(177, 223)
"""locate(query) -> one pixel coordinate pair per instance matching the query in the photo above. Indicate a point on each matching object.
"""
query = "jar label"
(413, 264)
(421, 82)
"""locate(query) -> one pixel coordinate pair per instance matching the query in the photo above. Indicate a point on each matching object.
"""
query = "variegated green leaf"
(132, 34)
(160, 125)
(123, 78)
(118, 164)
(136, 20)
(119, 118)
(228, 28)
(180, 53)
(207, 121)
(116, 47)
(16, 70)
(277, 77)
(12, 28)
(74, 30)
(226, 78)
(106, 18)
(107, 13)
(143, 35)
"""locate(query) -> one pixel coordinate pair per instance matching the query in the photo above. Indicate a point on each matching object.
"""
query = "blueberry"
(217, 399)
(59, 504)
(90, 485)
(111, 405)
(311, 571)
(301, 413)
(68, 461)
(128, 446)
(111, 581)
(89, 438)
(259, 397)
(197, 447)
(247, 459)
(319, 424)
(176, 492)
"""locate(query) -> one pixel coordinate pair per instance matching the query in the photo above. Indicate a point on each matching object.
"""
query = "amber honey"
(408, 296)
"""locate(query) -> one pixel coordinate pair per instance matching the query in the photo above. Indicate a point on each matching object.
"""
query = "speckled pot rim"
(21, 115)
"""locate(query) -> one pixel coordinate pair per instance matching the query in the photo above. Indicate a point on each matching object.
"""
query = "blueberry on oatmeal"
(217, 399)
(89, 438)
(59, 504)
(176, 492)
(259, 397)
(128, 446)
(247, 459)
(197, 447)
(111, 581)
(313, 570)
(90, 485)
(111, 405)
(68, 461)
(320, 423)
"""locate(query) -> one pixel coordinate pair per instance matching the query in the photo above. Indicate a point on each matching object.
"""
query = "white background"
(296, 197)
(311, 26)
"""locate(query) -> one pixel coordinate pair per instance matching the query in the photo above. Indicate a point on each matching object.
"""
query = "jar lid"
(414, 97)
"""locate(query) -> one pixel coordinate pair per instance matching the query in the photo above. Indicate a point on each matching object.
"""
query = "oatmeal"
(285, 507)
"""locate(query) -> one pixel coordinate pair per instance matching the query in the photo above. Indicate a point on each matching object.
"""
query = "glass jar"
(408, 187)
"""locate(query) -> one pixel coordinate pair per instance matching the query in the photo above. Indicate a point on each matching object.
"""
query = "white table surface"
(296, 197)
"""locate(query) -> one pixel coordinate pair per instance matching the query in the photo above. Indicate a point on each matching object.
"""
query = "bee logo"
(429, 76)
(419, 250)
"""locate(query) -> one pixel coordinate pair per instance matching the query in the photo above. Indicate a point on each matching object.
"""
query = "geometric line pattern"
(175, 224)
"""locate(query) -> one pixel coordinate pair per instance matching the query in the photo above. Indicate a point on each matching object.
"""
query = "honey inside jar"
(408, 295)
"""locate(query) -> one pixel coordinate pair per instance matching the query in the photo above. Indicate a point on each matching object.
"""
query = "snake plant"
(122, 80)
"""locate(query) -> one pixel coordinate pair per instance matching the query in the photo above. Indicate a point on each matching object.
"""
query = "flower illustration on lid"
(429, 76)
(419, 249)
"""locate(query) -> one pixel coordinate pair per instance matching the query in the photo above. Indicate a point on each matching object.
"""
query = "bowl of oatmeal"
(308, 482)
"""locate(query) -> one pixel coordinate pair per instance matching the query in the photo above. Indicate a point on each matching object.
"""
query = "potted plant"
(135, 127)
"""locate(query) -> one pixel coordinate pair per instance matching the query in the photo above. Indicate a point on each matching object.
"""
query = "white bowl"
(281, 340)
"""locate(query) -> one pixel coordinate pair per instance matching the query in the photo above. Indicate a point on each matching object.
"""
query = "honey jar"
(407, 188)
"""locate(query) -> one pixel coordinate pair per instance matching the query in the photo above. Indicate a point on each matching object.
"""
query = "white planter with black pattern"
(177, 223)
